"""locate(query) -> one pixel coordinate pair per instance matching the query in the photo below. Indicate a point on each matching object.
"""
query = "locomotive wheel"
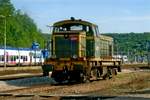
(60, 76)
(111, 72)
(84, 78)
(95, 74)
(45, 73)
(100, 70)
(108, 75)
(119, 68)
(114, 71)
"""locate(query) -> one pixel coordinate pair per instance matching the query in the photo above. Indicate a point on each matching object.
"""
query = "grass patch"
(131, 82)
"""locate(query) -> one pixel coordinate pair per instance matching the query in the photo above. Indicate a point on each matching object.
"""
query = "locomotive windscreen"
(72, 27)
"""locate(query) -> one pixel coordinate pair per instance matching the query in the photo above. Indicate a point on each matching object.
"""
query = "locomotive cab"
(69, 41)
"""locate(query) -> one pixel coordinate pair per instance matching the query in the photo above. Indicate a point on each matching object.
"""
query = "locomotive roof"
(73, 21)
(104, 37)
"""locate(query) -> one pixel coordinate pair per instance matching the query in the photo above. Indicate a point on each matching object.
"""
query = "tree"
(21, 29)
(6, 9)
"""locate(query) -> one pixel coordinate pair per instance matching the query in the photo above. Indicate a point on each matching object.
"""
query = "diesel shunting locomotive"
(80, 53)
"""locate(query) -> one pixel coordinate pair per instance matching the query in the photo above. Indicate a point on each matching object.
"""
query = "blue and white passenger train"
(21, 56)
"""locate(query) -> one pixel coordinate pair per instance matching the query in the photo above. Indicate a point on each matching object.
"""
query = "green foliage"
(21, 29)
(6, 8)
(47, 36)
(131, 43)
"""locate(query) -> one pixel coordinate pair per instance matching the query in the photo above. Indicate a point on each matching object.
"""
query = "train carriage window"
(17, 57)
(11, 58)
(76, 27)
(94, 31)
(70, 27)
(26, 58)
(23, 58)
(2, 58)
(7, 58)
(87, 29)
(97, 30)
(59, 29)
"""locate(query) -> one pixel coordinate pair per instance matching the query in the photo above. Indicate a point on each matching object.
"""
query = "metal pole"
(148, 53)
(5, 33)
(35, 57)
(5, 43)
(2, 16)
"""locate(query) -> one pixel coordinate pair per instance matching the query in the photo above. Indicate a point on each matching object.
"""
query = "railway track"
(44, 88)
(11, 73)
(136, 65)
(19, 76)
(24, 74)
(133, 67)
(69, 97)
(47, 90)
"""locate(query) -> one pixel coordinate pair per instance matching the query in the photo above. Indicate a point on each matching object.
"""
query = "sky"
(120, 16)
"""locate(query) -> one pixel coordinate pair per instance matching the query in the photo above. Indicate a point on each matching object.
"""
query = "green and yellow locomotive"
(80, 53)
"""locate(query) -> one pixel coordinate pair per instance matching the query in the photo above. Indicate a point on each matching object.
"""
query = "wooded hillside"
(131, 43)
(21, 30)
